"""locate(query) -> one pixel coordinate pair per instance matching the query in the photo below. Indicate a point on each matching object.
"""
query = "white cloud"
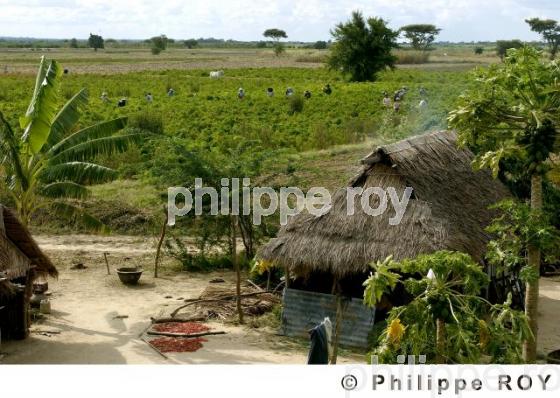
(246, 19)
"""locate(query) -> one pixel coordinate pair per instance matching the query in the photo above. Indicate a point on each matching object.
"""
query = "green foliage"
(148, 121)
(379, 282)
(512, 113)
(95, 41)
(320, 45)
(191, 43)
(478, 50)
(549, 30)
(517, 227)
(275, 34)
(362, 48)
(49, 162)
(445, 286)
(158, 44)
(73, 43)
(296, 103)
(278, 48)
(503, 45)
(421, 36)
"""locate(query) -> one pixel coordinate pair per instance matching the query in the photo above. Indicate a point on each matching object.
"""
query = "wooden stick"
(161, 237)
(254, 285)
(155, 348)
(167, 320)
(168, 334)
(107, 263)
(236, 268)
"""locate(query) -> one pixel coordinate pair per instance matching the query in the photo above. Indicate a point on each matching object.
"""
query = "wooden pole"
(161, 238)
(236, 267)
(107, 263)
(338, 322)
(440, 341)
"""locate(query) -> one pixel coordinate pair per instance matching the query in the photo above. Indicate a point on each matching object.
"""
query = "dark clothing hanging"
(319, 350)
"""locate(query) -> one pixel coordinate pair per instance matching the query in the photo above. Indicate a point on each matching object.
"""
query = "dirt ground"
(87, 305)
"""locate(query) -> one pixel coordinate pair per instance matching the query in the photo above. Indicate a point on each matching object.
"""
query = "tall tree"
(421, 36)
(549, 30)
(49, 161)
(96, 41)
(512, 114)
(159, 44)
(362, 48)
(276, 35)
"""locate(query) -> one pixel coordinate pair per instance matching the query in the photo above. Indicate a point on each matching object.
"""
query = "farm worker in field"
(386, 100)
(422, 104)
(307, 94)
(289, 92)
(104, 97)
(270, 92)
(121, 103)
(170, 92)
(149, 97)
(397, 105)
(399, 94)
(240, 93)
(327, 89)
(423, 92)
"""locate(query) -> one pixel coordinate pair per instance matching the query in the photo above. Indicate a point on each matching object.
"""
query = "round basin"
(129, 275)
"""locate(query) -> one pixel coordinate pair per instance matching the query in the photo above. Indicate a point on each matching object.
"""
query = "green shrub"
(296, 103)
(150, 121)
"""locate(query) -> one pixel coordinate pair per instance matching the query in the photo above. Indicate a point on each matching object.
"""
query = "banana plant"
(49, 160)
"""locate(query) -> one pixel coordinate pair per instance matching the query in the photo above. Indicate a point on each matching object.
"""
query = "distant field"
(122, 60)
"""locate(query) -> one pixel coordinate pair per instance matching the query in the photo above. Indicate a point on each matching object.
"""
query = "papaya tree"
(511, 115)
(49, 159)
(446, 319)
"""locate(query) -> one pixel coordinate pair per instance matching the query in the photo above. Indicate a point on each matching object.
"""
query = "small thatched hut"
(448, 209)
(21, 261)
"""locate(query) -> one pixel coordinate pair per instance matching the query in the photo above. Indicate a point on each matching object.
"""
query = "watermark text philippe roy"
(236, 197)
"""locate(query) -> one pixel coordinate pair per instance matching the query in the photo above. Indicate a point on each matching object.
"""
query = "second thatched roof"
(448, 210)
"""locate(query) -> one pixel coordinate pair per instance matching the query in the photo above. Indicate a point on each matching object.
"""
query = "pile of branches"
(220, 302)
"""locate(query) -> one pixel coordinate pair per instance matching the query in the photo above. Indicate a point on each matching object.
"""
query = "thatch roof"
(19, 248)
(448, 210)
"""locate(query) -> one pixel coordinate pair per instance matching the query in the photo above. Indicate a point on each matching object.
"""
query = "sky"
(303, 20)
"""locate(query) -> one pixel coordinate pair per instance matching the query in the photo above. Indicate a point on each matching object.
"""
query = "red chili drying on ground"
(181, 327)
(175, 344)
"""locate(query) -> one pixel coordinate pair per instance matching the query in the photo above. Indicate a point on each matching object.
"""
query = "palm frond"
(76, 214)
(36, 123)
(9, 152)
(79, 172)
(100, 146)
(99, 130)
(65, 189)
(67, 117)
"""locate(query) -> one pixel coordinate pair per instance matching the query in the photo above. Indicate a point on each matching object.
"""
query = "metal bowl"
(129, 275)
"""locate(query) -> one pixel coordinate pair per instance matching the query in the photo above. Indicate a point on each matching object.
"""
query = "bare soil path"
(88, 305)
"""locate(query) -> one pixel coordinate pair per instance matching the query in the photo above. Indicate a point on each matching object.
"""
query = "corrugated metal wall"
(303, 310)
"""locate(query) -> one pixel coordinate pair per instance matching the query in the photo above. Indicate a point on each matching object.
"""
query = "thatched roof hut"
(21, 261)
(18, 249)
(448, 210)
